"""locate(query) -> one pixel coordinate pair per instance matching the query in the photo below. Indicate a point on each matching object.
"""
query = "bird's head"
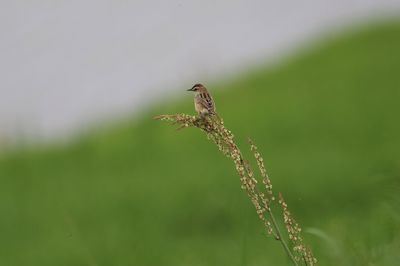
(197, 88)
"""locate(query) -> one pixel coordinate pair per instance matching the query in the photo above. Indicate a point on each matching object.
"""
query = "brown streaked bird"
(203, 102)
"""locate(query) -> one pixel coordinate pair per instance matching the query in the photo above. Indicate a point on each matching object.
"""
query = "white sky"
(65, 64)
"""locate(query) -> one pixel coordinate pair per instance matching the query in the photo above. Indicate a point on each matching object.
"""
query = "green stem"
(278, 232)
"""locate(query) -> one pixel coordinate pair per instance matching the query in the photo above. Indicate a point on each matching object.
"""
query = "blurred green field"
(142, 193)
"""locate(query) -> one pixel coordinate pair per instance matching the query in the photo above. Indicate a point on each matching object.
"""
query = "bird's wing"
(207, 101)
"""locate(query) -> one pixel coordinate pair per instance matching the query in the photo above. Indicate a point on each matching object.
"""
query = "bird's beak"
(191, 89)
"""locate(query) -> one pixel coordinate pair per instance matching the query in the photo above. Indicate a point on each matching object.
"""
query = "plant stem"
(278, 232)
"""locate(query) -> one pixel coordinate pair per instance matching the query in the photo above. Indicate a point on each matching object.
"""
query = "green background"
(141, 193)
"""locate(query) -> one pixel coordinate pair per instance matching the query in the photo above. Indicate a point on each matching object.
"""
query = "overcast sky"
(66, 64)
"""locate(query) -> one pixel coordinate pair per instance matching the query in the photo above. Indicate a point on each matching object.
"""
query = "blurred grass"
(141, 193)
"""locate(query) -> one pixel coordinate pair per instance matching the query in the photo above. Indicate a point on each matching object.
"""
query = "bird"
(203, 102)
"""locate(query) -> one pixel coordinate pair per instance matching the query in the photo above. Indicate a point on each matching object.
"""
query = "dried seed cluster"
(294, 231)
(224, 139)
